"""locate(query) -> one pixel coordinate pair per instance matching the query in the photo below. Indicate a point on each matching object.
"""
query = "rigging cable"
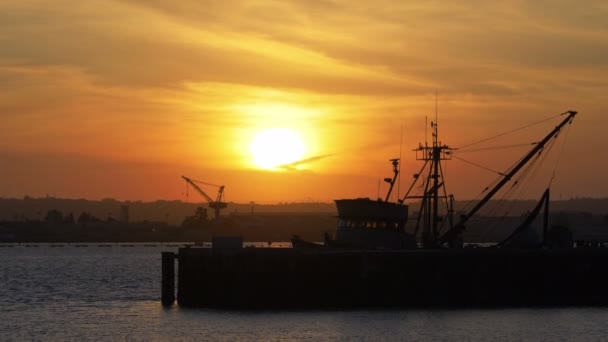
(525, 176)
(543, 155)
(423, 204)
(530, 169)
(416, 177)
(449, 210)
(204, 183)
(559, 156)
(480, 194)
(479, 166)
(507, 195)
(523, 183)
(492, 184)
(508, 132)
(546, 152)
(494, 148)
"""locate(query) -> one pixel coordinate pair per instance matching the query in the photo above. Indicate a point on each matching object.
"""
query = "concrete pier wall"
(168, 278)
(253, 278)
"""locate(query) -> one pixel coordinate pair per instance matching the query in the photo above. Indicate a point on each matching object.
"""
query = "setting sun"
(277, 146)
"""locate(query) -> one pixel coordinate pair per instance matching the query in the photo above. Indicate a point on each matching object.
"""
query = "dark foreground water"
(113, 293)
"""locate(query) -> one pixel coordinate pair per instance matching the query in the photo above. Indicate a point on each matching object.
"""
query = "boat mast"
(395, 163)
(432, 155)
(453, 234)
(436, 161)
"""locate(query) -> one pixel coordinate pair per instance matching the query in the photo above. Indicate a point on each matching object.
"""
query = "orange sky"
(105, 98)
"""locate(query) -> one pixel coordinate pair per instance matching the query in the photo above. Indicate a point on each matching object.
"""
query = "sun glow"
(275, 147)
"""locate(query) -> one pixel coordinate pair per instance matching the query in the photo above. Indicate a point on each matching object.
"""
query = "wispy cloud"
(392, 48)
(294, 165)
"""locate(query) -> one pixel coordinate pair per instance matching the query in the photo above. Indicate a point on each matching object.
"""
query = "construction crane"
(216, 204)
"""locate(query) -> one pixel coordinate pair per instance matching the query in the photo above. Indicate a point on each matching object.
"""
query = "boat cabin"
(368, 224)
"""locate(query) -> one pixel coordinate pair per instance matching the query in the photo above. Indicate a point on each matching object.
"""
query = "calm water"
(113, 293)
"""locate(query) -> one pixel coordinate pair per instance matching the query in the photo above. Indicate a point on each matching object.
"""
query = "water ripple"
(109, 294)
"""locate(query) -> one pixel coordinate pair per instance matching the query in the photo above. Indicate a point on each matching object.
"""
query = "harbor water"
(112, 292)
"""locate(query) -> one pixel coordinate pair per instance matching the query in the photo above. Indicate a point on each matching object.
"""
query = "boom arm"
(539, 146)
(216, 205)
(198, 189)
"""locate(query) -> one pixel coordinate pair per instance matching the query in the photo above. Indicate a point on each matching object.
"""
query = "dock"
(271, 278)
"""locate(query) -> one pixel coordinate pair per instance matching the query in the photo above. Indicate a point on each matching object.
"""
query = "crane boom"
(216, 204)
(538, 147)
(198, 189)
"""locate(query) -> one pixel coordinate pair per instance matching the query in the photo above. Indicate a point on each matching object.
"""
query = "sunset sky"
(118, 99)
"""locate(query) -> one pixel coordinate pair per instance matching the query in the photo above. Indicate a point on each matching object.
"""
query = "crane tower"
(217, 204)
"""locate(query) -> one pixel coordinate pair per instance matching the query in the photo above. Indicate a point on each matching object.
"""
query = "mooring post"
(168, 279)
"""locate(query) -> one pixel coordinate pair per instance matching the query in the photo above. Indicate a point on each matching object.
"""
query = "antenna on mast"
(426, 133)
(400, 149)
(435, 123)
(436, 106)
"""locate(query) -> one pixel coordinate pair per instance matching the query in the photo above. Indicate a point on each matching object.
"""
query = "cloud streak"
(294, 165)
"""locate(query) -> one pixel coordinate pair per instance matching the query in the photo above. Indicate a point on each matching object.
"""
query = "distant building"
(54, 216)
(124, 213)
